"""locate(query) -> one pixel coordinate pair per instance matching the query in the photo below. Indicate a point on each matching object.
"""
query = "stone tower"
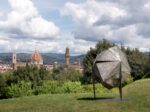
(67, 57)
(14, 60)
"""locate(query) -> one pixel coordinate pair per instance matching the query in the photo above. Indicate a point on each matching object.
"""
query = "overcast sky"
(53, 25)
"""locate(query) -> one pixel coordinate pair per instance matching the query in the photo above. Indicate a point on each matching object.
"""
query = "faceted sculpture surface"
(111, 67)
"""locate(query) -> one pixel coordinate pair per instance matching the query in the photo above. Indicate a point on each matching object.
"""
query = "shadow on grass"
(102, 99)
(97, 98)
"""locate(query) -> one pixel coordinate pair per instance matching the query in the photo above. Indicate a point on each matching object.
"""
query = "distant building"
(76, 65)
(36, 58)
(67, 57)
(14, 60)
(15, 63)
(49, 67)
(4, 67)
(55, 65)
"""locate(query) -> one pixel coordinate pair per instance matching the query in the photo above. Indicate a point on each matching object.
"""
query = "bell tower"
(14, 60)
(67, 57)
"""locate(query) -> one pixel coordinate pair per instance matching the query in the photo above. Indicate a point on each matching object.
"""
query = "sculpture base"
(104, 99)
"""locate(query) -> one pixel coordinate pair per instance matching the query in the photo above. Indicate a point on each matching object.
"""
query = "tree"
(137, 60)
(60, 74)
(90, 57)
(147, 71)
(2, 86)
(31, 74)
(5, 80)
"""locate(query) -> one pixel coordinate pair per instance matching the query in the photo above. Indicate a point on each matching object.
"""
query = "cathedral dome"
(36, 58)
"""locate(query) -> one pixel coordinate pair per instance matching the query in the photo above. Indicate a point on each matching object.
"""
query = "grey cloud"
(134, 25)
(144, 30)
(136, 15)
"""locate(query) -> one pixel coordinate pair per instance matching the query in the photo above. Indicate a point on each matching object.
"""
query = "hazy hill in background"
(146, 53)
(48, 58)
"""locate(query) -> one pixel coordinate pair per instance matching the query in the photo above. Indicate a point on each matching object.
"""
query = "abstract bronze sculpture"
(111, 68)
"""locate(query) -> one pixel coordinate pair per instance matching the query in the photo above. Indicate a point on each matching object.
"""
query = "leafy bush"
(128, 81)
(50, 87)
(99, 88)
(20, 89)
(55, 87)
(62, 75)
(72, 87)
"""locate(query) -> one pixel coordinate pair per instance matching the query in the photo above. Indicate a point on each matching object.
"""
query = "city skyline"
(52, 25)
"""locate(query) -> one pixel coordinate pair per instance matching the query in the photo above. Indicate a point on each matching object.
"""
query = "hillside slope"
(137, 93)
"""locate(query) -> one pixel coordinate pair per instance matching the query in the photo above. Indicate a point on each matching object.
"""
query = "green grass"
(137, 93)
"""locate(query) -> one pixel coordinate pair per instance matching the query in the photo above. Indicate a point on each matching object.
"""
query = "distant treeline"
(31, 80)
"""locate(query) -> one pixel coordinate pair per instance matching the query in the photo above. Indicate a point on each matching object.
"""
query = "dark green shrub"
(147, 71)
(5, 81)
(2, 86)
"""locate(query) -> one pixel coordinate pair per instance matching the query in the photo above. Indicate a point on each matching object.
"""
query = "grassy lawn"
(137, 93)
